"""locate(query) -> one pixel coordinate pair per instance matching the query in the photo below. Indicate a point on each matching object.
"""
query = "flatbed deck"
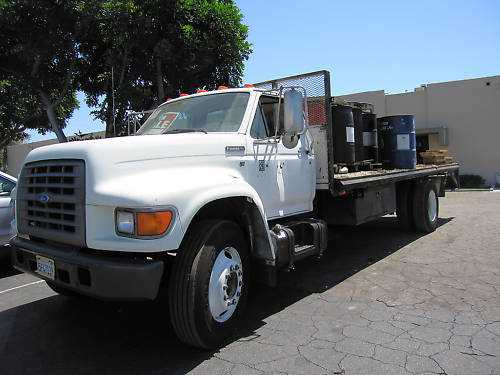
(381, 176)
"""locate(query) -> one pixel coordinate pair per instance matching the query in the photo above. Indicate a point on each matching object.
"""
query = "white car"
(7, 184)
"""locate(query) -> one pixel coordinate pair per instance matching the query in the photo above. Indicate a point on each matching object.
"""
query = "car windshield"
(207, 113)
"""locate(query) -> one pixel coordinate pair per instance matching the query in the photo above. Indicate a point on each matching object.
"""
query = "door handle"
(301, 153)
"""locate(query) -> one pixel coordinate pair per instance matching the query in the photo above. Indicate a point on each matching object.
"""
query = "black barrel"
(396, 141)
(357, 115)
(370, 142)
(343, 135)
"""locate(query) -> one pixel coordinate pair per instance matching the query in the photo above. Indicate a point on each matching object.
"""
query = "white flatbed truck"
(215, 189)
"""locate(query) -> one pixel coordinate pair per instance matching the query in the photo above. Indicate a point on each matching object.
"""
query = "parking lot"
(381, 301)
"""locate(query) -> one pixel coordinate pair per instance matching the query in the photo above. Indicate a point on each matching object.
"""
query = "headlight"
(143, 223)
(125, 222)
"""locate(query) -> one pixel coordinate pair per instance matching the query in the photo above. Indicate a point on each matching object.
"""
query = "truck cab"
(115, 218)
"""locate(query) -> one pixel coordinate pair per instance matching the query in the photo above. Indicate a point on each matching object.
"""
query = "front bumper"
(109, 277)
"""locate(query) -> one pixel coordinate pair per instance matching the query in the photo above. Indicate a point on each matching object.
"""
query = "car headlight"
(143, 223)
(125, 222)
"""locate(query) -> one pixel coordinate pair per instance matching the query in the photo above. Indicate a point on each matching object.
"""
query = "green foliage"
(149, 50)
(157, 49)
(215, 40)
(472, 181)
(38, 56)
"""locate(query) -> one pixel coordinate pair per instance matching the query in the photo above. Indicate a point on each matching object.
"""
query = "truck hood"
(126, 170)
(142, 148)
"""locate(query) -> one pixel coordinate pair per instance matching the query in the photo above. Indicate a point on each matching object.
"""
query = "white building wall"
(471, 110)
(17, 153)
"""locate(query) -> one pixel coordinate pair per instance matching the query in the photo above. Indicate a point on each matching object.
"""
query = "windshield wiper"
(186, 131)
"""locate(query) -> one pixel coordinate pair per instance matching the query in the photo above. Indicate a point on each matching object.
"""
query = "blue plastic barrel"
(396, 141)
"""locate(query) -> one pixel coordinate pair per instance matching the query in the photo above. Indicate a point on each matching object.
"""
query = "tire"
(195, 284)
(404, 206)
(425, 207)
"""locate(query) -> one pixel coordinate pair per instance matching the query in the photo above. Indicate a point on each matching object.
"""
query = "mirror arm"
(278, 114)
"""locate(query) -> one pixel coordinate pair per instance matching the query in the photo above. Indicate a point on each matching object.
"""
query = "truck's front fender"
(186, 189)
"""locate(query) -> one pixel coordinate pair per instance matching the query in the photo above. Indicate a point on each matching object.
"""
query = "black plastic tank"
(357, 115)
(396, 141)
(370, 141)
(343, 135)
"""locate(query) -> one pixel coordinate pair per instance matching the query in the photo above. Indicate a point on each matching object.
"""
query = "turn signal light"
(200, 90)
(153, 223)
(183, 94)
(248, 85)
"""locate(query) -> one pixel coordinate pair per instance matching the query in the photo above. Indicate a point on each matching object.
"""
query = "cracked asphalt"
(381, 301)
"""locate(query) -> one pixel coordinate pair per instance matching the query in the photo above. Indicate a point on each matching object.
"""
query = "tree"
(38, 53)
(123, 54)
(215, 42)
(16, 113)
(194, 43)
(154, 49)
(109, 46)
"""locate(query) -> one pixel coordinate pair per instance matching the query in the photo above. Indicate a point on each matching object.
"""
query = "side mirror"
(293, 116)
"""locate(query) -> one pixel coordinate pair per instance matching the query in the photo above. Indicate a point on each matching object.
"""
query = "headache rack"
(51, 201)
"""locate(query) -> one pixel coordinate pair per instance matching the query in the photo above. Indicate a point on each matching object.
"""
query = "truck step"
(299, 239)
(300, 249)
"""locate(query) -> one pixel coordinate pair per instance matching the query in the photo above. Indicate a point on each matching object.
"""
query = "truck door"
(261, 159)
(296, 176)
(284, 178)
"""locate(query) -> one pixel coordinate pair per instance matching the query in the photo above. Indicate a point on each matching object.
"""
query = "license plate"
(45, 267)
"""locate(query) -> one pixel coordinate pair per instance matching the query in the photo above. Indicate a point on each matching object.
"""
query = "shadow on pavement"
(6, 269)
(58, 335)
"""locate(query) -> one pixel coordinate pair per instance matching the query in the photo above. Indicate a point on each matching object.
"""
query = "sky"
(366, 45)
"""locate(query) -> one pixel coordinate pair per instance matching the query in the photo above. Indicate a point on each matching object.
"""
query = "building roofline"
(462, 80)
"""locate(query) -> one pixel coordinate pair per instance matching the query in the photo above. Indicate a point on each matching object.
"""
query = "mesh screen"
(317, 86)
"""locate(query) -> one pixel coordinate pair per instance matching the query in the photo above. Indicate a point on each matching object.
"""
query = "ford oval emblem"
(43, 198)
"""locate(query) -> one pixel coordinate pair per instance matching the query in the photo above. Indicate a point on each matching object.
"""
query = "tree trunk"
(49, 108)
(110, 132)
(159, 82)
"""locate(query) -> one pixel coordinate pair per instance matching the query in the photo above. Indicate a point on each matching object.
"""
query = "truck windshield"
(208, 113)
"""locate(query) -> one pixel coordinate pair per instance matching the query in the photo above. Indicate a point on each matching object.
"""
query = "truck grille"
(51, 201)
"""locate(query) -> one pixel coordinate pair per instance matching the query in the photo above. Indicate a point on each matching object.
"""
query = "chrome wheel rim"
(226, 282)
(432, 205)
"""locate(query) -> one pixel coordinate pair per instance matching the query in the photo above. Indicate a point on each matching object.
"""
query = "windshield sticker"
(166, 119)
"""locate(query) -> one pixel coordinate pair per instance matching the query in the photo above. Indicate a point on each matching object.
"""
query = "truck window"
(259, 128)
(220, 112)
(264, 123)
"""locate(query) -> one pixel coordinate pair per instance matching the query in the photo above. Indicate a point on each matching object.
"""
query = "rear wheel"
(404, 206)
(425, 207)
(209, 284)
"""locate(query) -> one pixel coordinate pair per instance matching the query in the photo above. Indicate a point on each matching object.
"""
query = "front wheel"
(209, 283)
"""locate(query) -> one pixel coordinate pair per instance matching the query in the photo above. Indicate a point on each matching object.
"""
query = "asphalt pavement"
(381, 301)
